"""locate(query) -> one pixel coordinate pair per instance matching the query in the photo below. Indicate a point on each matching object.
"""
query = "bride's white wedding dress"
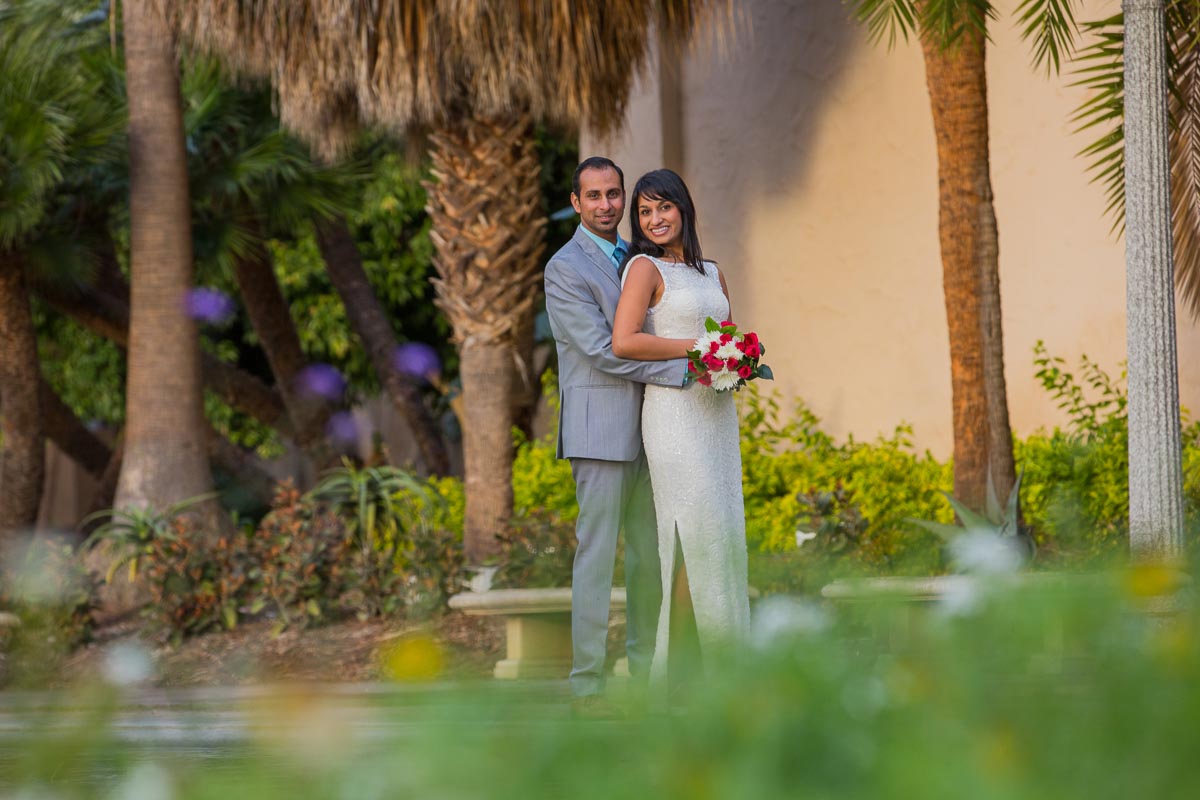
(691, 440)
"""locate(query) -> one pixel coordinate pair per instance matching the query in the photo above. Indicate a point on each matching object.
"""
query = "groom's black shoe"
(594, 706)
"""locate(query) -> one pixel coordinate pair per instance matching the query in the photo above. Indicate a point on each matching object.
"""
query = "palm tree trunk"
(23, 448)
(957, 81)
(485, 205)
(165, 459)
(272, 321)
(1156, 515)
(369, 320)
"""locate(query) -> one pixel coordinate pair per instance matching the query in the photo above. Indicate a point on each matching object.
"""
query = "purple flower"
(208, 305)
(321, 380)
(417, 359)
(342, 429)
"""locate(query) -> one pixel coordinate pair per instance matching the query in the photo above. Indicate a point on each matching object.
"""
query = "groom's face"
(600, 202)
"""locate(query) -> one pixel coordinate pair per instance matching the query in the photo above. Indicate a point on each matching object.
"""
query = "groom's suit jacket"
(600, 395)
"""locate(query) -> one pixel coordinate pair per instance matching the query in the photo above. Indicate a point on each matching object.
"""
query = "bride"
(690, 436)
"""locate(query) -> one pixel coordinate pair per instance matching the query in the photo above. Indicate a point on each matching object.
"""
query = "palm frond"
(1183, 31)
(1050, 26)
(1101, 70)
(886, 19)
(947, 20)
(1185, 179)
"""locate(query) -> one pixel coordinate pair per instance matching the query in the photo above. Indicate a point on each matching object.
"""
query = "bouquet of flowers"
(725, 359)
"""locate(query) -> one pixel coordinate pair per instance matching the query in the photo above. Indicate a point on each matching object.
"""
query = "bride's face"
(661, 221)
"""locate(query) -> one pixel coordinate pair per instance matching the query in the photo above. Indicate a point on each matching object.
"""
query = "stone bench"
(537, 628)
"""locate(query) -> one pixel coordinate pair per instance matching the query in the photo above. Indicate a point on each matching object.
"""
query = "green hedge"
(858, 497)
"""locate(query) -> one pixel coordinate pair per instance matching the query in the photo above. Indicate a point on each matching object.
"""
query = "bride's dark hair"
(663, 184)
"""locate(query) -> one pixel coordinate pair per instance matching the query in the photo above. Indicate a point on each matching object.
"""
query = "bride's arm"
(628, 340)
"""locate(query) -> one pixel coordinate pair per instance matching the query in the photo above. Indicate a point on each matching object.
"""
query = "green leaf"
(969, 518)
(946, 532)
(711, 325)
(764, 373)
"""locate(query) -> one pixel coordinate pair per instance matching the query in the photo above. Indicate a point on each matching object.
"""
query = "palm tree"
(953, 36)
(165, 459)
(51, 128)
(476, 75)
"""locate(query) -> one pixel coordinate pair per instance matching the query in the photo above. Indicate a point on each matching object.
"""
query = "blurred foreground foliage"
(1023, 687)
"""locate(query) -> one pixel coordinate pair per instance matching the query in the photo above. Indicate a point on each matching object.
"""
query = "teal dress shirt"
(609, 248)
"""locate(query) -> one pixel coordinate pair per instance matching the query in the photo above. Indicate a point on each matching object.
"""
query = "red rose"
(726, 338)
(752, 350)
(726, 322)
(732, 364)
(751, 338)
(705, 379)
(740, 346)
(714, 347)
(745, 372)
(691, 366)
(712, 362)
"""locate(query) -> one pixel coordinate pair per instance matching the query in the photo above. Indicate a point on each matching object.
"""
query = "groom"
(599, 430)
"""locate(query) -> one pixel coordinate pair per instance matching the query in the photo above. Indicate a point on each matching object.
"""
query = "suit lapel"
(600, 261)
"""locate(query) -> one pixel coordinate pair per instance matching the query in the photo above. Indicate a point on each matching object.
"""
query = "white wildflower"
(127, 664)
(780, 617)
(985, 553)
(804, 536)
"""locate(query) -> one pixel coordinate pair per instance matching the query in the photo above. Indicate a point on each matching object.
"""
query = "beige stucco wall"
(811, 156)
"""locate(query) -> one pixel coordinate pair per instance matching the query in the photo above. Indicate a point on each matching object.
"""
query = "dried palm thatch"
(341, 64)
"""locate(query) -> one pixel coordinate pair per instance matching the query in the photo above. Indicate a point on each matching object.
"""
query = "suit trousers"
(613, 496)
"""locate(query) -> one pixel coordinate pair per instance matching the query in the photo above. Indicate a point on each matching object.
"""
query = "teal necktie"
(619, 256)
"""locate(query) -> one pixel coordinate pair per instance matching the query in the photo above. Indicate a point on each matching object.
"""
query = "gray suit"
(600, 431)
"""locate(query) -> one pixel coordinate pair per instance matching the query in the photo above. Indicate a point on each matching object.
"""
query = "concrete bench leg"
(539, 646)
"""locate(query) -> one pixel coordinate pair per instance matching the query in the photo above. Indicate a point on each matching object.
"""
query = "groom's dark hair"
(595, 162)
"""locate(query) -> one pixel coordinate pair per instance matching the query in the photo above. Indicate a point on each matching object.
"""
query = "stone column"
(1155, 471)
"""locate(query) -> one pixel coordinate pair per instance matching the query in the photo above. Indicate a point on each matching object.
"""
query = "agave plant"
(132, 531)
(381, 506)
(988, 542)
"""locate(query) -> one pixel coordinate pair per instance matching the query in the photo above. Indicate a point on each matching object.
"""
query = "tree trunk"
(23, 448)
(957, 81)
(70, 434)
(369, 321)
(1155, 449)
(165, 459)
(485, 204)
(272, 321)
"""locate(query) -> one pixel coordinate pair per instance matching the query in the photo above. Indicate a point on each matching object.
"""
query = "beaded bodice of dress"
(687, 299)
